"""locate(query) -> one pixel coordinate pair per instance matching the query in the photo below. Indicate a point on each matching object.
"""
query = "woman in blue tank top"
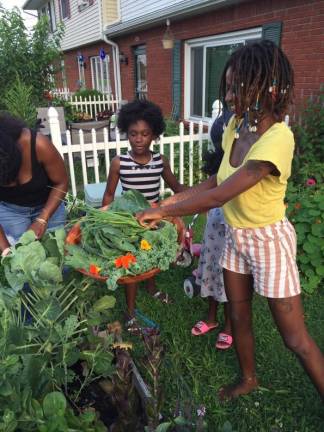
(33, 181)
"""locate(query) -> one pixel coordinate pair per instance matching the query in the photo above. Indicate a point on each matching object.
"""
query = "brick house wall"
(302, 39)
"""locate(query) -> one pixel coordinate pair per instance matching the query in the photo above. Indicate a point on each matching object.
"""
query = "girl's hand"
(104, 208)
(150, 217)
(39, 229)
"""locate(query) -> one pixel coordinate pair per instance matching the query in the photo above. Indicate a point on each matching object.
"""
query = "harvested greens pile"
(114, 244)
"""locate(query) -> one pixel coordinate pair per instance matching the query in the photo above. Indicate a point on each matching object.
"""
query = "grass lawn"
(286, 400)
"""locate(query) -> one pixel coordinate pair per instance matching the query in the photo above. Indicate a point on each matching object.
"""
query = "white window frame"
(49, 10)
(52, 16)
(98, 68)
(61, 10)
(205, 42)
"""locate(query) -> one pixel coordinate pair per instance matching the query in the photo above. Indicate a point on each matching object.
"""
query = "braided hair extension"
(263, 81)
(10, 153)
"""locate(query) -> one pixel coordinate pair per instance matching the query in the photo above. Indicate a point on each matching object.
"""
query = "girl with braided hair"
(33, 181)
(260, 245)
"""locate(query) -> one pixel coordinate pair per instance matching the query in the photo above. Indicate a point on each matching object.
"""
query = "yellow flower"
(145, 245)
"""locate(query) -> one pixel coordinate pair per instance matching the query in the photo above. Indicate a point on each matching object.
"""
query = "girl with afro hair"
(140, 169)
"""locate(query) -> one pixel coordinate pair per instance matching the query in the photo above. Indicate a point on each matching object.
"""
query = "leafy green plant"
(86, 93)
(31, 55)
(171, 127)
(44, 331)
(309, 132)
(306, 212)
(19, 102)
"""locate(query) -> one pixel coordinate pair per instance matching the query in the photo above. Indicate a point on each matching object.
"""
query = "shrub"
(31, 55)
(86, 93)
(306, 212)
(309, 134)
(19, 101)
(171, 127)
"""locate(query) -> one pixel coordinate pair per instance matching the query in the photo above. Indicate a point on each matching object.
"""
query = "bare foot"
(245, 386)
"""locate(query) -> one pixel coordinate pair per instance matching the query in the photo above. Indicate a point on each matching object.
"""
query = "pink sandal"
(201, 328)
(224, 341)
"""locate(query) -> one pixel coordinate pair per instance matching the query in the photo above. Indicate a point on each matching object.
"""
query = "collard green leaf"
(131, 201)
(105, 302)
(54, 404)
(50, 272)
(27, 238)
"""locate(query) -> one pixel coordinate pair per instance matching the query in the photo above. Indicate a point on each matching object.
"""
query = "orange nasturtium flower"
(125, 261)
(94, 270)
(145, 245)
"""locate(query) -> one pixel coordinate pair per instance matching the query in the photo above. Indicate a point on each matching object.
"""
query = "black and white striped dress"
(145, 178)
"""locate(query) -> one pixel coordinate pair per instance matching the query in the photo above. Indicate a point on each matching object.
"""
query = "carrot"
(74, 235)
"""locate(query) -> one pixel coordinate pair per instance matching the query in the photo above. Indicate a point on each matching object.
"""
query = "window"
(49, 11)
(100, 74)
(83, 4)
(140, 72)
(205, 59)
(64, 9)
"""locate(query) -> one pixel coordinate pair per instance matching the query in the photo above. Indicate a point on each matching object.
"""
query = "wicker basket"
(74, 237)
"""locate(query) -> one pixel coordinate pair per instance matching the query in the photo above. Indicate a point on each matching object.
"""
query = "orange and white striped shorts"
(268, 253)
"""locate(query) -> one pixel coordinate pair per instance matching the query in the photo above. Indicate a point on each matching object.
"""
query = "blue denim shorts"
(16, 219)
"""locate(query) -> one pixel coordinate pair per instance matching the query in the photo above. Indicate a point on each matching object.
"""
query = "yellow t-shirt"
(263, 204)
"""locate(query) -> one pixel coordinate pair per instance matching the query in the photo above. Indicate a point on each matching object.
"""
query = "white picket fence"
(62, 93)
(179, 149)
(92, 105)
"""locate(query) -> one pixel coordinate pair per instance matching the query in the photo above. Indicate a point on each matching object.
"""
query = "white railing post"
(200, 146)
(181, 152)
(71, 163)
(95, 155)
(54, 125)
(161, 150)
(191, 133)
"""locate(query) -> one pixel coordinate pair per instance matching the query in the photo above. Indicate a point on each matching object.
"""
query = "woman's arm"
(4, 244)
(112, 181)
(54, 166)
(170, 178)
(190, 192)
(245, 178)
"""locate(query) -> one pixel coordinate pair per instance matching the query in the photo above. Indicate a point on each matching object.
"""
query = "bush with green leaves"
(309, 132)
(44, 330)
(30, 55)
(306, 212)
(87, 93)
(19, 102)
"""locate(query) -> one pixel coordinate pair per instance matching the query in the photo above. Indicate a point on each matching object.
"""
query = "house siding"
(132, 9)
(302, 39)
(82, 27)
(110, 12)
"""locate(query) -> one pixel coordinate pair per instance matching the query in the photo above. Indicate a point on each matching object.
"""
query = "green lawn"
(286, 400)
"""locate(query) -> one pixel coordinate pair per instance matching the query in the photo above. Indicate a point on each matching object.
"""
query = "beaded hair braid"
(263, 82)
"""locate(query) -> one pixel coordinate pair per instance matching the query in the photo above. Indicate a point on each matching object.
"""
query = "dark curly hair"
(10, 153)
(141, 110)
(263, 80)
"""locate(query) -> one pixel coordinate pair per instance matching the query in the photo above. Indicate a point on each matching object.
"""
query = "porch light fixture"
(168, 38)
(123, 59)
(81, 60)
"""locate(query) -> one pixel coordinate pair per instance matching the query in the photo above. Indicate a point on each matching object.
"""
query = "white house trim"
(216, 40)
